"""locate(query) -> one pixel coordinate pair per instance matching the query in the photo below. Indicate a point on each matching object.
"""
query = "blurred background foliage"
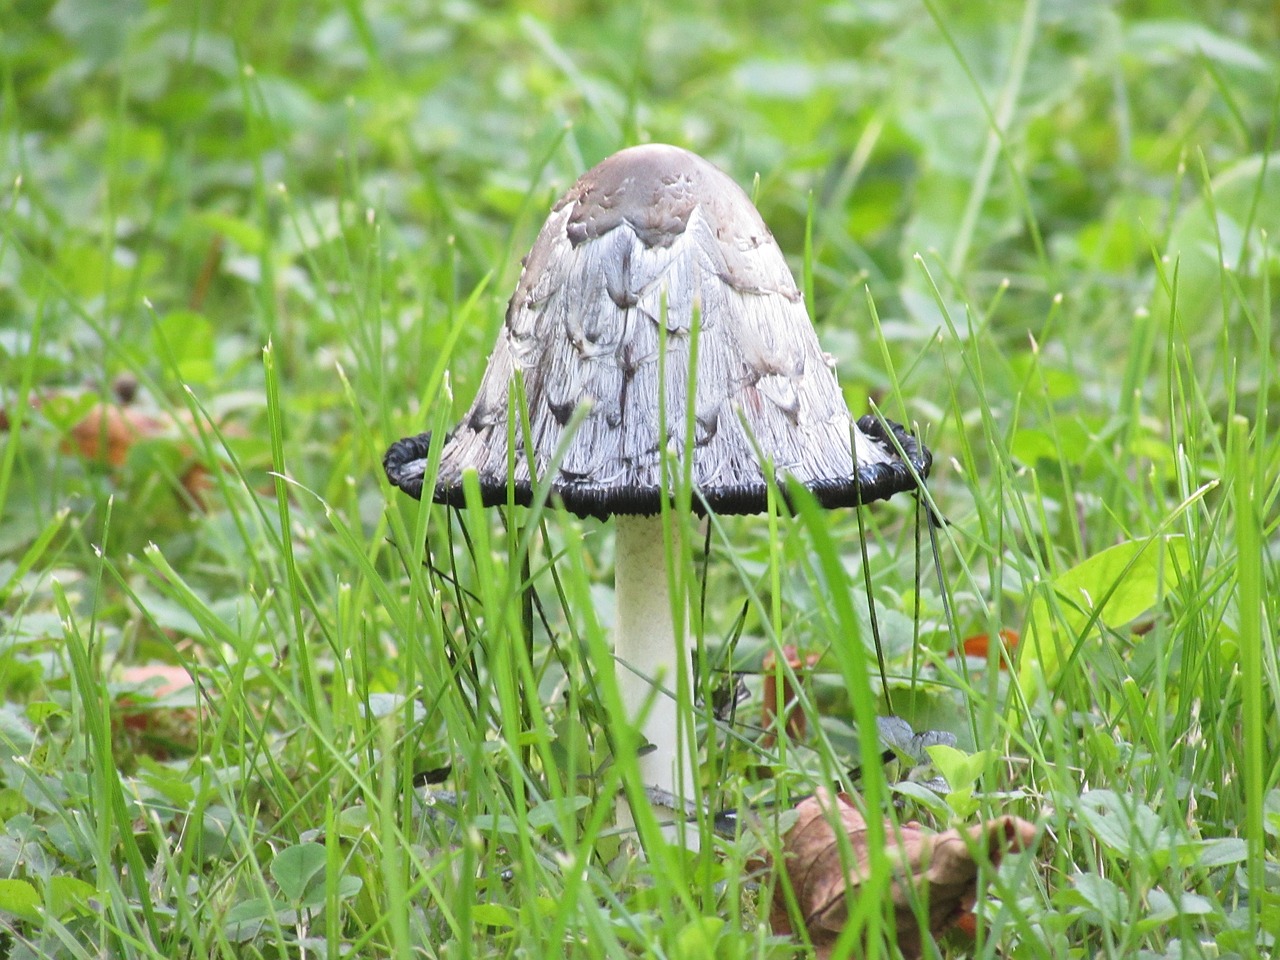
(221, 160)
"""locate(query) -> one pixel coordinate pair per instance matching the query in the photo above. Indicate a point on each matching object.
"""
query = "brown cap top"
(650, 237)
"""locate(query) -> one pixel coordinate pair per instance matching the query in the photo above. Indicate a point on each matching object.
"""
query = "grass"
(1043, 233)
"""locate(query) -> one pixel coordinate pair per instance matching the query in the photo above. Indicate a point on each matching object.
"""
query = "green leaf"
(571, 747)
(246, 235)
(71, 896)
(922, 796)
(1271, 813)
(1162, 907)
(1110, 588)
(257, 908)
(295, 868)
(499, 822)
(38, 711)
(961, 770)
(550, 812)
(1155, 40)
(1197, 905)
(317, 894)
(100, 31)
(246, 919)
(353, 822)
(1210, 230)
(185, 339)
(1220, 852)
(493, 915)
(11, 804)
(20, 899)
(348, 887)
(1127, 828)
(1103, 896)
(65, 410)
(172, 784)
(697, 939)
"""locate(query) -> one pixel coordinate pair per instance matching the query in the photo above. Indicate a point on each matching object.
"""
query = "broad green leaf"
(922, 796)
(38, 711)
(1102, 895)
(71, 895)
(961, 770)
(1159, 40)
(65, 410)
(499, 822)
(1211, 230)
(19, 898)
(248, 236)
(172, 784)
(256, 908)
(571, 747)
(353, 822)
(1071, 441)
(185, 339)
(697, 940)
(1110, 588)
(1124, 826)
(1196, 904)
(1163, 907)
(16, 733)
(550, 812)
(295, 868)
(492, 915)
(1219, 852)
(317, 894)
(246, 919)
(1271, 812)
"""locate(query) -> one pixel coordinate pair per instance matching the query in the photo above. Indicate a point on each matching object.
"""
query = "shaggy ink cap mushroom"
(654, 235)
(649, 223)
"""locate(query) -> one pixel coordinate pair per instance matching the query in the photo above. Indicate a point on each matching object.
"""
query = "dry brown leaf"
(107, 433)
(152, 727)
(979, 645)
(169, 677)
(939, 868)
(783, 703)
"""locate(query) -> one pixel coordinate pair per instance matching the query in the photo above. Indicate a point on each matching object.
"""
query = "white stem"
(651, 666)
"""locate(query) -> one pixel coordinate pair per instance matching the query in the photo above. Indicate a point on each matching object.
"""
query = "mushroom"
(651, 236)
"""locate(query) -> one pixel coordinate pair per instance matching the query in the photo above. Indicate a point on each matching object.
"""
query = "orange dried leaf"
(938, 868)
(783, 703)
(979, 645)
(169, 677)
(107, 432)
(151, 726)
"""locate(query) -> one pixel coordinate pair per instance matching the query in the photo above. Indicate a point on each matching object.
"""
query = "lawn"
(258, 703)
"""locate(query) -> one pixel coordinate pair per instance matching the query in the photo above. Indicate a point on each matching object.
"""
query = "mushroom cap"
(656, 237)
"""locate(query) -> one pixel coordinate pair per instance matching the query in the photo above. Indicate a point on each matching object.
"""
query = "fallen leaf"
(7, 419)
(784, 704)
(108, 431)
(151, 725)
(167, 678)
(939, 868)
(979, 646)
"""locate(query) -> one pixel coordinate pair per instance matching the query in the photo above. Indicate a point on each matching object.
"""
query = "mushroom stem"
(652, 665)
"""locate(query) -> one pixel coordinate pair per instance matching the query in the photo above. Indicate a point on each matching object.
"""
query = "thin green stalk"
(293, 580)
(1000, 120)
(1249, 589)
(111, 810)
